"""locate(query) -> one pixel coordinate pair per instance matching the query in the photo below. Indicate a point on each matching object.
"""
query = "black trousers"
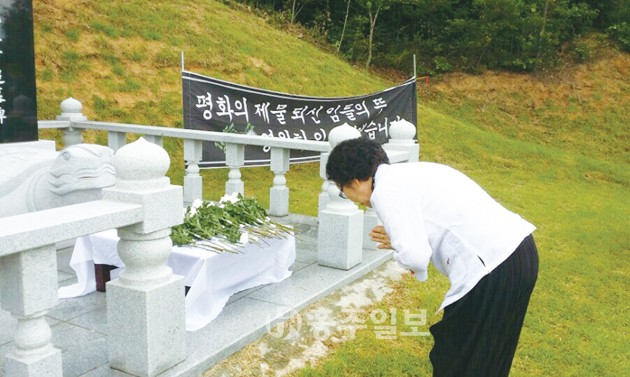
(478, 333)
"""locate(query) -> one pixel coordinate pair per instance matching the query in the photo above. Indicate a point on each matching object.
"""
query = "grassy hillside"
(553, 148)
(122, 61)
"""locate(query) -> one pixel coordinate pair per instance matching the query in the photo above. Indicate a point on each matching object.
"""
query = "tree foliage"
(470, 35)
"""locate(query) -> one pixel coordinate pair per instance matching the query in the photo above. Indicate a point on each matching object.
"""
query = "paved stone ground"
(306, 336)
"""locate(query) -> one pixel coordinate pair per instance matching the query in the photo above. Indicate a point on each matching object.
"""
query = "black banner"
(215, 105)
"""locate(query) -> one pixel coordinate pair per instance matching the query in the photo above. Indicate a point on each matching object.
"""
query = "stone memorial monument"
(18, 102)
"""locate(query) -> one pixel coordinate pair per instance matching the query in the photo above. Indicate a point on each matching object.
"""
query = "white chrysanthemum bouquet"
(226, 226)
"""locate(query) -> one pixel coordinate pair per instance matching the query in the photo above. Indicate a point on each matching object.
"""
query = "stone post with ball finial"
(340, 233)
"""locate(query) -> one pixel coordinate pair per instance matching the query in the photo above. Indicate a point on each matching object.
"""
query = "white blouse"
(434, 212)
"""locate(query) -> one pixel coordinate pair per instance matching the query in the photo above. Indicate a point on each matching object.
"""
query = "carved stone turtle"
(32, 179)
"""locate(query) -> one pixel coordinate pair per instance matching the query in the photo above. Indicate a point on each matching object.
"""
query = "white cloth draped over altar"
(212, 277)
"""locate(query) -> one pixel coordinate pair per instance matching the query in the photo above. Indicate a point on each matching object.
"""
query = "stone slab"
(81, 349)
(314, 282)
(95, 320)
(70, 308)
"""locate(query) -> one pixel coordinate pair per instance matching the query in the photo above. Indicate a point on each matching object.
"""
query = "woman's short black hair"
(355, 159)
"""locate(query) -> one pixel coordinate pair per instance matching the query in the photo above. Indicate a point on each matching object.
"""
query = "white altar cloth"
(212, 277)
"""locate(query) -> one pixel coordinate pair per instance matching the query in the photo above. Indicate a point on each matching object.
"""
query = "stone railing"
(401, 147)
(144, 339)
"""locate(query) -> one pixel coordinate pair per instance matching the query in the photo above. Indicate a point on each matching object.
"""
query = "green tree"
(470, 35)
(373, 7)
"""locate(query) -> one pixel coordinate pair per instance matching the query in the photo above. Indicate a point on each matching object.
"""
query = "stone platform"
(79, 325)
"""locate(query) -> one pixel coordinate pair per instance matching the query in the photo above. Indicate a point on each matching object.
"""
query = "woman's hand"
(379, 235)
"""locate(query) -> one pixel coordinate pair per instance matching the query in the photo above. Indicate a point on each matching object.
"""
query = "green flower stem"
(219, 227)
